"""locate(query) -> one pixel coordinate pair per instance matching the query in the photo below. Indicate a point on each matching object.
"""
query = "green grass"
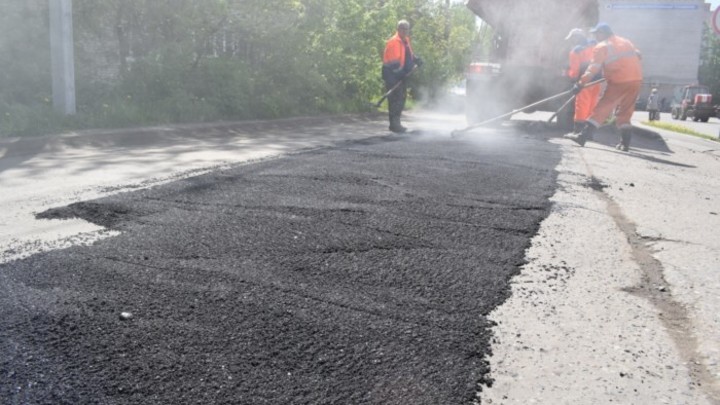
(679, 128)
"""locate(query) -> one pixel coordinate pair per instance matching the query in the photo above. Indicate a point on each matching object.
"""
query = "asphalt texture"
(356, 274)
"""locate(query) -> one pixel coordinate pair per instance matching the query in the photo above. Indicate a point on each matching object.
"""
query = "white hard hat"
(573, 32)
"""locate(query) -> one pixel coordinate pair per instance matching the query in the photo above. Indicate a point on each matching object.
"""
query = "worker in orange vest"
(398, 61)
(579, 60)
(619, 61)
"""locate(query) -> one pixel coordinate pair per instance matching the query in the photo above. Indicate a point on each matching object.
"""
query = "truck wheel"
(673, 114)
(683, 116)
(704, 119)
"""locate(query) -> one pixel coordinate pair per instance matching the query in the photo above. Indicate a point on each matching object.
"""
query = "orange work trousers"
(585, 102)
(619, 97)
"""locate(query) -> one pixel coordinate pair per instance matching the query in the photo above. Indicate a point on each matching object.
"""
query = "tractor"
(695, 102)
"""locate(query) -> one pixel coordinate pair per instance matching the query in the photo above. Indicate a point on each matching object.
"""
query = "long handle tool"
(393, 88)
(513, 112)
(562, 107)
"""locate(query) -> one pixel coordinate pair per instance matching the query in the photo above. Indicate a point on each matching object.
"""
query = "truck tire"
(704, 119)
(683, 116)
(674, 114)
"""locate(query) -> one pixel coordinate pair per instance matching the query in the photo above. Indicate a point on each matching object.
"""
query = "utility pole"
(63, 63)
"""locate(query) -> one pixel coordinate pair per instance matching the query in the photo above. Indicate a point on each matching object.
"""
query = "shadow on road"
(14, 152)
(182, 144)
(642, 140)
(645, 144)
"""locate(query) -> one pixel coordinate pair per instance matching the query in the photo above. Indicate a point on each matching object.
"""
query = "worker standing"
(578, 62)
(398, 61)
(619, 61)
(653, 106)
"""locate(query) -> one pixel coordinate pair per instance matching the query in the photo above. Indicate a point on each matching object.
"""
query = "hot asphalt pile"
(358, 274)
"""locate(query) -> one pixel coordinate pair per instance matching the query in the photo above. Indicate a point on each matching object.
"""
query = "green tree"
(168, 61)
(709, 70)
(25, 78)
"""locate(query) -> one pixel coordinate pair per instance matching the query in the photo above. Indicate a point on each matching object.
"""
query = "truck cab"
(694, 101)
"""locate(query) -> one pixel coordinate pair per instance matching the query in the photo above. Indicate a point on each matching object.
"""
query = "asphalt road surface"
(361, 272)
(326, 261)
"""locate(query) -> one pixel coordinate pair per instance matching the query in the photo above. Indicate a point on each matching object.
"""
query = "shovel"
(393, 88)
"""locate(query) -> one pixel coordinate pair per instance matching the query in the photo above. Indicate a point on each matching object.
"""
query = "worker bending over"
(619, 61)
(578, 61)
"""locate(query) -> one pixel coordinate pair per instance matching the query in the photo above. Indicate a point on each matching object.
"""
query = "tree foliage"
(166, 61)
(709, 71)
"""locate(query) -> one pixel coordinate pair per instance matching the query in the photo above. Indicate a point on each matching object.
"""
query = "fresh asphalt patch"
(357, 274)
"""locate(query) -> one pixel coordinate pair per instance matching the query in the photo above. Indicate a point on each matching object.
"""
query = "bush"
(142, 63)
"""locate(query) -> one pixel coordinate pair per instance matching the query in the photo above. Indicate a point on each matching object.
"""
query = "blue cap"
(602, 27)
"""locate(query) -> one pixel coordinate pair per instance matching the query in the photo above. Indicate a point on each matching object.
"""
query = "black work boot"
(589, 133)
(625, 135)
(395, 125)
(586, 133)
(575, 132)
(578, 126)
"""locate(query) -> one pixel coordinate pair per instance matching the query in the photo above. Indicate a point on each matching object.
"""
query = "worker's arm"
(596, 64)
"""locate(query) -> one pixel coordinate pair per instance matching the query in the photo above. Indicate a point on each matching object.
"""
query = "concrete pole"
(63, 64)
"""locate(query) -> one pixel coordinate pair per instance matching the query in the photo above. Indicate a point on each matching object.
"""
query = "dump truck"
(693, 101)
(528, 56)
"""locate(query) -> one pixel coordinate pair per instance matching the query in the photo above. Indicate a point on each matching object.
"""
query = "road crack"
(654, 288)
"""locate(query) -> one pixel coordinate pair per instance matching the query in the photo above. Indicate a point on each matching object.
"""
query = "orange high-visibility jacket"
(618, 59)
(579, 60)
(394, 56)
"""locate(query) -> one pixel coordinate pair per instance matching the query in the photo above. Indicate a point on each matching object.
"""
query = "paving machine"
(528, 56)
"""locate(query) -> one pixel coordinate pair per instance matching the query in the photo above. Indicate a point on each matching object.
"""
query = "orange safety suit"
(395, 56)
(398, 60)
(619, 61)
(585, 101)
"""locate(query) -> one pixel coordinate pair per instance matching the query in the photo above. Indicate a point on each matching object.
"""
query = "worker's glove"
(418, 61)
(577, 88)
